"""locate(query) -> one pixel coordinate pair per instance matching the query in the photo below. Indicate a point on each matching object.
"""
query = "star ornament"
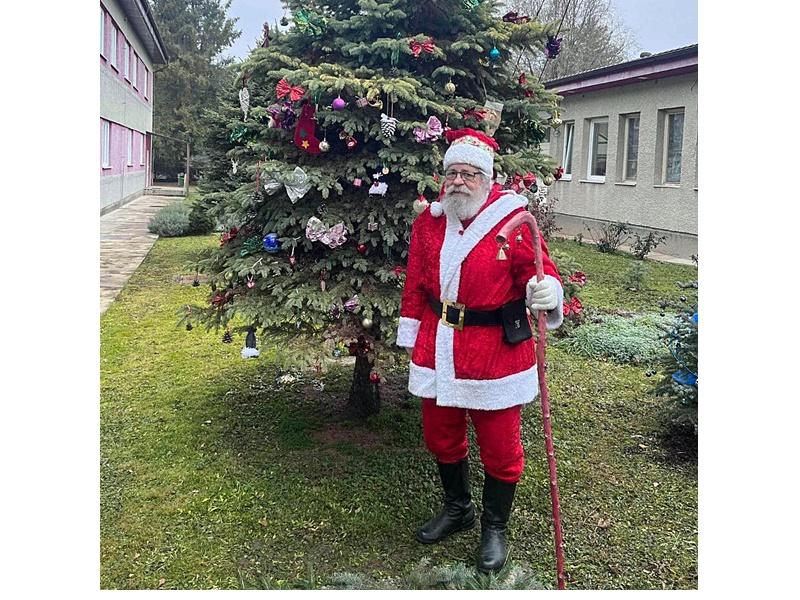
(305, 144)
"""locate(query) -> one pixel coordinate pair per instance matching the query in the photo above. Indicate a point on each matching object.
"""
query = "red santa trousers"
(444, 429)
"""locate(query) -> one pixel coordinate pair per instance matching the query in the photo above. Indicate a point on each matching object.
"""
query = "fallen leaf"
(161, 582)
(135, 556)
(604, 523)
(263, 522)
(642, 446)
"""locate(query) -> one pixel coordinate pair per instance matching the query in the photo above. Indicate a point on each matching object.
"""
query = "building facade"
(628, 146)
(130, 46)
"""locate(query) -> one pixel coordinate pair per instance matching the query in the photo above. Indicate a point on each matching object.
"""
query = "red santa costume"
(470, 369)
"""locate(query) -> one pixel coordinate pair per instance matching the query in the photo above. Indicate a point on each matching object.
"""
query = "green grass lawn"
(209, 469)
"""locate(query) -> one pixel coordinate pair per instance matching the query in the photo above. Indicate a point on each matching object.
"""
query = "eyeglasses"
(465, 175)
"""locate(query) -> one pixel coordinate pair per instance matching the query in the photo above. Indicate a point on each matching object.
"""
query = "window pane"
(674, 147)
(126, 59)
(568, 132)
(113, 45)
(102, 32)
(599, 148)
(106, 143)
(632, 163)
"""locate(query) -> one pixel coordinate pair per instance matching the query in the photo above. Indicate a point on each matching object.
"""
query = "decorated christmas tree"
(330, 145)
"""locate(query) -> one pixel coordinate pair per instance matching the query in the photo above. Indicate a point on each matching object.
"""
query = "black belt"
(456, 315)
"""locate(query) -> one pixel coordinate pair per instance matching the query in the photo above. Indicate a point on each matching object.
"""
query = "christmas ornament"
(385, 170)
(333, 237)
(362, 248)
(362, 102)
(494, 54)
(292, 259)
(304, 137)
(479, 114)
(450, 87)
(416, 47)
(196, 282)
(309, 23)
(334, 311)
(351, 305)
(372, 225)
(227, 338)
(513, 17)
(284, 21)
(553, 46)
(338, 104)
(420, 204)
(529, 179)
(558, 173)
(378, 188)
(366, 323)
(250, 350)
(244, 101)
(323, 275)
(234, 166)
(267, 38)
(472, 4)
(351, 143)
(324, 146)
(284, 89)
(357, 182)
(250, 246)
(555, 122)
(388, 125)
(492, 111)
(271, 243)
(322, 209)
(297, 184)
(431, 132)
(548, 180)
(251, 283)
(374, 377)
(228, 236)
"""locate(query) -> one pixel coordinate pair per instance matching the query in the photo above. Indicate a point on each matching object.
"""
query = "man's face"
(465, 190)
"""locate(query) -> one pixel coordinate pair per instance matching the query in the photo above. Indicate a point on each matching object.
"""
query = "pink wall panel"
(135, 63)
(118, 151)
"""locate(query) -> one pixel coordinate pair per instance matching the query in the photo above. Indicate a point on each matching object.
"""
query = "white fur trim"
(437, 209)
(470, 155)
(407, 332)
(421, 381)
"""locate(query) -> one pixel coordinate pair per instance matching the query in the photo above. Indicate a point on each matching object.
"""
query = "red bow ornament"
(479, 114)
(293, 92)
(417, 48)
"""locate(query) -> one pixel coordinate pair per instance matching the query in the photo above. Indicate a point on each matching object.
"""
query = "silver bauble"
(324, 146)
(366, 323)
(548, 180)
(450, 87)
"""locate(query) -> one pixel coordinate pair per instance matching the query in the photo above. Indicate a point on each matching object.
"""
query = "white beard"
(464, 206)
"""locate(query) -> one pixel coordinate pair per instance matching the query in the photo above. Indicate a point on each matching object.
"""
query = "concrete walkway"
(124, 242)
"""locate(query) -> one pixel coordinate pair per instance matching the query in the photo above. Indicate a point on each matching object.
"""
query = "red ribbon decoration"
(293, 92)
(479, 114)
(416, 48)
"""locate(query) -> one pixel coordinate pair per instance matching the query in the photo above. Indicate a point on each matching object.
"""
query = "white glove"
(542, 295)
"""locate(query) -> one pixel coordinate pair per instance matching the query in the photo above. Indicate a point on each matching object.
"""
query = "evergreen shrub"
(171, 221)
(635, 339)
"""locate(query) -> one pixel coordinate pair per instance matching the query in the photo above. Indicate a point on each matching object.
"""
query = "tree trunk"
(365, 399)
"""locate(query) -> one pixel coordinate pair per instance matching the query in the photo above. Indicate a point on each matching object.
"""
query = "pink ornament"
(339, 104)
(357, 182)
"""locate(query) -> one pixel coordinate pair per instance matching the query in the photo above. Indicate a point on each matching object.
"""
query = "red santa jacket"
(474, 367)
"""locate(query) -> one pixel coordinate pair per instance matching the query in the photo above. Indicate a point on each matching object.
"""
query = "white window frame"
(135, 74)
(105, 145)
(592, 125)
(102, 33)
(628, 118)
(141, 150)
(126, 59)
(146, 80)
(130, 147)
(567, 153)
(665, 149)
(113, 53)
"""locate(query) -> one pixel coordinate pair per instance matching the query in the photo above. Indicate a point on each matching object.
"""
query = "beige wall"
(647, 203)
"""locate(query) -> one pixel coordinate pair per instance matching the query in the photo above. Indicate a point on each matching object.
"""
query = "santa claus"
(465, 321)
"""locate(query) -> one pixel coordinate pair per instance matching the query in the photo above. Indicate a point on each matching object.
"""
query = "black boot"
(458, 513)
(498, 496)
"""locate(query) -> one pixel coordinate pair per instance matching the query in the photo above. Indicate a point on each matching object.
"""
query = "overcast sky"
(657, 25)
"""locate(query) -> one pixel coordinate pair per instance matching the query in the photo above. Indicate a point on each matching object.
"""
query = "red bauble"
(362, 248)
(529, 179)
(374, 377)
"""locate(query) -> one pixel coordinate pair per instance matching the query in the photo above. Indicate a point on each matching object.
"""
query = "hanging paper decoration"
(293, 93)
(378, 188)
(372, 225)
(351, 305)
(250, 350)
(309, 23)
(362, 103)
(244, 101)
(492, 110)
(513, 17)
(304, 136)
(297, 184)
(234, 166)
(388, 125)
(553, 46)
(333, 237)
(431, 132)
(417, 48)
(271, 243)
(338, 104)
(251, 282)
(282, 115)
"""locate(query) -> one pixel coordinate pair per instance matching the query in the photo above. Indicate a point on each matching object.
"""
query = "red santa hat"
(472, 148)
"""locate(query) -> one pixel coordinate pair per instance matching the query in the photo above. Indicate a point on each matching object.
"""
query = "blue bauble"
(271, 243)
(494, 53)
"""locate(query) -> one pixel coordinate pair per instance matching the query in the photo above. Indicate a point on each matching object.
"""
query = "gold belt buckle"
(461, 309)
